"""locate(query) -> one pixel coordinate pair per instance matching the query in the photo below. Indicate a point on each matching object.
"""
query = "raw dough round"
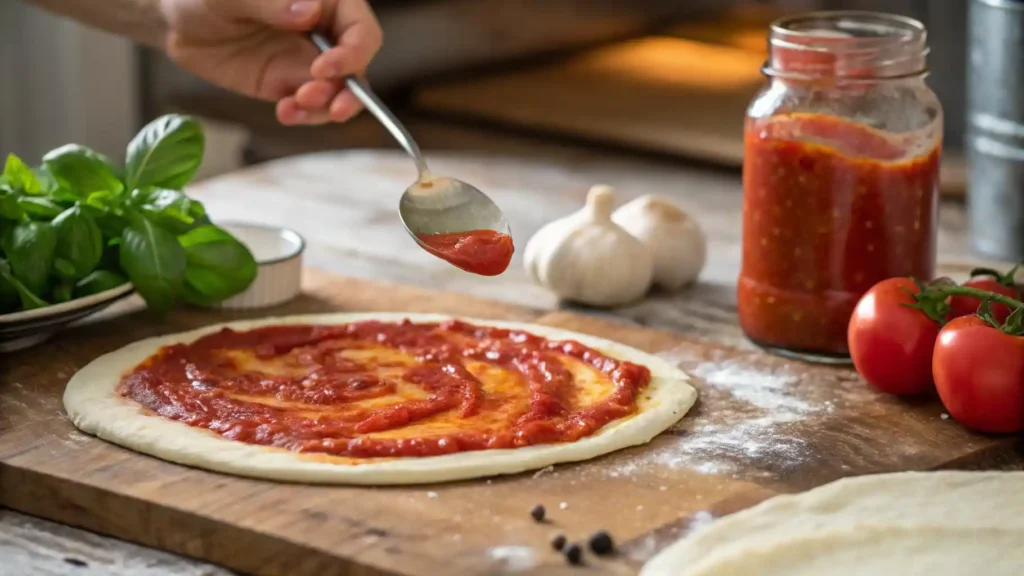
(904, 524)
(94, 407)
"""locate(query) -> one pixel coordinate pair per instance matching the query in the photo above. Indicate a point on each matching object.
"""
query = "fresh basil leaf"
(111, 224)
(30, 248)
(111, 259)
(166, 198)
(48, 184)
(219, 266)
(104, 200)
(155, 263)
(9, 207)
(63, 268)
(29, 300)
(107, 210)
(61, 292)
(79, 242)
(170, 209)
(98, 281)
(39, 207)
(83, 170)
(20, 177)
(166, 153)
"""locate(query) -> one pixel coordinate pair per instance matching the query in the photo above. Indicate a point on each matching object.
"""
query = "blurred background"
(664, 77)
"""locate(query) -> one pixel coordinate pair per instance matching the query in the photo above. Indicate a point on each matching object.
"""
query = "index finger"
(358, 37)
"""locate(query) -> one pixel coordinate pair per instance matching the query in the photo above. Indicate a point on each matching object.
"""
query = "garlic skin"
(586, 258)
(676, 241)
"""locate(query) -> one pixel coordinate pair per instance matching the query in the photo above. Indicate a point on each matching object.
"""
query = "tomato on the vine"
(979, 375)
(989, 281)
(890, 341)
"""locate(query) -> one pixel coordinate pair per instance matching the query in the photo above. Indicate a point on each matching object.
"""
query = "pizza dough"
(94, 406)
(904, 524)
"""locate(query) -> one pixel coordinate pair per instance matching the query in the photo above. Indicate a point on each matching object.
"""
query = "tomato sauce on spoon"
(483, 252)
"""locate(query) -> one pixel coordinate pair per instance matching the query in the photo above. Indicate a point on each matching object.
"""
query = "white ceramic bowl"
(27, 328)
(278, 253)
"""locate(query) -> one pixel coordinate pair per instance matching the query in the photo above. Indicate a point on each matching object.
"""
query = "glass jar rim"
(898, 42)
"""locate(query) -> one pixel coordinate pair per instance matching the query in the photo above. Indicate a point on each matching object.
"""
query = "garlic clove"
(600, 202)
(675, 239)
(587, 258)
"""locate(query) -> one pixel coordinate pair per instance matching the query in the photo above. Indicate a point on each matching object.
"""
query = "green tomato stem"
(981, 295)
(1006, 279)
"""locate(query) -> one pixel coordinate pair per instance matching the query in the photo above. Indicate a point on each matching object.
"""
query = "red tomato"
(891, 344)
(966, 305)
(979, 374)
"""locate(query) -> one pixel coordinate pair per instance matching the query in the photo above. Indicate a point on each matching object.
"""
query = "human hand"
(256, 48)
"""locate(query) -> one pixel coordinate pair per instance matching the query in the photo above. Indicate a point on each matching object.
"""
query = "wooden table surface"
(345, 205)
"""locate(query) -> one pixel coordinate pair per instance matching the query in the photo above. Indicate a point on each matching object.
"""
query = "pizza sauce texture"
(483, 252)
(381, 389)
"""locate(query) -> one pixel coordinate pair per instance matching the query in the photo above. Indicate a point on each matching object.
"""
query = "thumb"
(288, 14)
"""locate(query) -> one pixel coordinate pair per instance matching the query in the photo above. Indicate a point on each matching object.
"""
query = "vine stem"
(979, 294)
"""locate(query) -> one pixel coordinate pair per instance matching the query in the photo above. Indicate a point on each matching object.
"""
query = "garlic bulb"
(675, 240)
(586, 258)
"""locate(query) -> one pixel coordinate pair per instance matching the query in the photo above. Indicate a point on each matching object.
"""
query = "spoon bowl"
(439, 205)
(433, 204)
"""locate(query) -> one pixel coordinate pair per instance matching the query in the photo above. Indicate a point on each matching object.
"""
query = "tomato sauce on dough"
(379, 389)
(484, 252)
(830, 208)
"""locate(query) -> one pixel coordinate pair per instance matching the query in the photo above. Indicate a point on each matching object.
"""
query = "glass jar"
(840, 176)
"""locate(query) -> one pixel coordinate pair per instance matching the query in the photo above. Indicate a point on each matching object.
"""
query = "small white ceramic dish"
(278, 253)
(27, 328)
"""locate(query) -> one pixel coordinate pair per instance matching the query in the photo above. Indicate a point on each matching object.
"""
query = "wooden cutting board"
(762, 426)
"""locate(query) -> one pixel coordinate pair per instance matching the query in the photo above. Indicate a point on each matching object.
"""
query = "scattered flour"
(755, 431)
(700, 521)
(769, 391)
(543, 471)
(431, 494)
(645, 548)
(514, 558)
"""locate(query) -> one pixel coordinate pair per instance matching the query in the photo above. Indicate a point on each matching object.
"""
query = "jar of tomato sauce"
(840, 176)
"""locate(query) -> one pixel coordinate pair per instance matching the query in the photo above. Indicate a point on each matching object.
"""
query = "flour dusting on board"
(752, 431)
(768, 391)
(643, 549)
(514, 558)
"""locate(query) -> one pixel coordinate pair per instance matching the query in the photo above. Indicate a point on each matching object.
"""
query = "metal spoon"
(433, 204)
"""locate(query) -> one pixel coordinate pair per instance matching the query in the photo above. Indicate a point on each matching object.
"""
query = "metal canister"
(994, 140)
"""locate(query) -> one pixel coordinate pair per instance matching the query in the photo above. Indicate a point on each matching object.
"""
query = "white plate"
(27, 328)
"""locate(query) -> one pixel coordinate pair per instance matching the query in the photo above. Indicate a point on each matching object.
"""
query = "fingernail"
(301, 9)
(300, 116)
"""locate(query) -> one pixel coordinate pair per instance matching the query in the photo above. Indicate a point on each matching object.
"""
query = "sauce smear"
(483, 252)
(380, 389)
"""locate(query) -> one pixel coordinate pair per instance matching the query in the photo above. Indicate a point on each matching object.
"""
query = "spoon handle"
(383, 114)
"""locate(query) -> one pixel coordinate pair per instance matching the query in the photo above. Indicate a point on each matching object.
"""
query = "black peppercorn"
(558, 542)
(573, 553)
(601, 543)
(537, 513)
